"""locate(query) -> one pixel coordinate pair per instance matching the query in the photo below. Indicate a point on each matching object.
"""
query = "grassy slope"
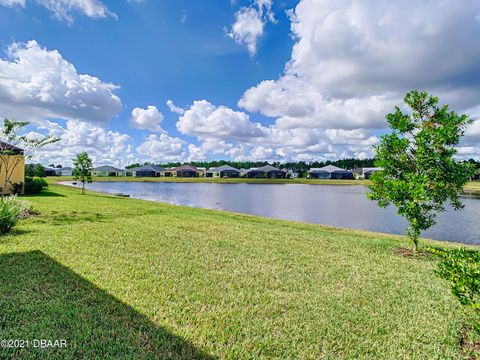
(473, 186)
(123, 277)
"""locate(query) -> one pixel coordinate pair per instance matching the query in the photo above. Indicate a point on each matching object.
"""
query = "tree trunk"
(415, 245)
(415, 239)
(83, 187)
(414, 235)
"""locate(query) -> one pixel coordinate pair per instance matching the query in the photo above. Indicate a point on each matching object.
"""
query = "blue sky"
(260, 79)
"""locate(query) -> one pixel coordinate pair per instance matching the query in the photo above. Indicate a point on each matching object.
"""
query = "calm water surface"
(342, 205)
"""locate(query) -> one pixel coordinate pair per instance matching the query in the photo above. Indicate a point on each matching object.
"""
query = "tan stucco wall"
(18, 174)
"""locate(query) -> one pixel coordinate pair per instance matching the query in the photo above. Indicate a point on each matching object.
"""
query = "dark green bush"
(35, 185)
(17, 188)
(461, 268)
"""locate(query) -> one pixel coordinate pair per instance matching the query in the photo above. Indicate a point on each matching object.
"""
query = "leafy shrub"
(17, 188)
(34, 170)
(461, 267)
(35, 185)
(13, 209)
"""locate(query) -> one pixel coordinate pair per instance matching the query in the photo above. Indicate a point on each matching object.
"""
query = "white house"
(107, 170)
(64, 171)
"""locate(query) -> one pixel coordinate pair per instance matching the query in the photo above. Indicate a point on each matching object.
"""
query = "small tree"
(419, 173)
(39, 170)
(15, 147)
(82, 169)
(34, 170)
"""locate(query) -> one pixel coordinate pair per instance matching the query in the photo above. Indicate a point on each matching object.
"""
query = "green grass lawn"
(125, 278)
(473, 186)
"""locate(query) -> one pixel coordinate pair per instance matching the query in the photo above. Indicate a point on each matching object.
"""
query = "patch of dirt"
(469, 347)
(409, 253)
(32, 212)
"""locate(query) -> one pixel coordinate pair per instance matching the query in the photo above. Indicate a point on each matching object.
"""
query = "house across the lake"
(108, 170)
(13, 158)
(50, 171)
(243, 172)
(476, 176)
(185, 171)
(357, 173)
(329, 172)
(266, 171)
(223, 171)
(369, 171)
(64, 171)
(292, 174)
(146, 171)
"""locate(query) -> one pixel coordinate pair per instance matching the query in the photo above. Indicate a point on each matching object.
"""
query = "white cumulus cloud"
(206, 120)
(175, 109)
(103, 146)
(250, 22)
(63, 9)
(11, 3)
(162, 148)
(147, 119)
(38, 84)
(353, 60)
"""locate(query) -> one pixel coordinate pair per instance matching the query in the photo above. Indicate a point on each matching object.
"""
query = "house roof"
(223, 168)
(267, 168)
(107, 168)
(146, 168)
(185, 167)
(371, 169)
(328, 169)
(5, 146)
